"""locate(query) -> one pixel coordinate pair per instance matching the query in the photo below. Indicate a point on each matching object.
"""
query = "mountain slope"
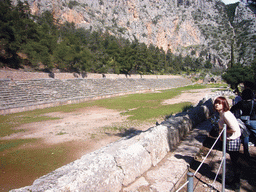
(189, 27)
(245, 25)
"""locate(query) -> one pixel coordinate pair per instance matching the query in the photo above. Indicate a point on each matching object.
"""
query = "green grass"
(7, 122)
(143, 106)
(142, 100)
(149, 112)
(61, 133)
(35, 161)
(24, 165)
(8, 144)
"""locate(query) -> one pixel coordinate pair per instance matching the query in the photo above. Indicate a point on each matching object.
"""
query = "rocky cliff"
(199, 28)
(245, 33)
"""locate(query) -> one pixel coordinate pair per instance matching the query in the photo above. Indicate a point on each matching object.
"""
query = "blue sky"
(230, 1)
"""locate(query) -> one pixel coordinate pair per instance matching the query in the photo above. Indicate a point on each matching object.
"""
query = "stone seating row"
(17, 94)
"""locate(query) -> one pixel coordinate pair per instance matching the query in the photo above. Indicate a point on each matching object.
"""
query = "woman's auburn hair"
(223, 101)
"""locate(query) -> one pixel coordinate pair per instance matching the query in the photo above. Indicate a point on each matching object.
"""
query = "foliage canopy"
(239, 74)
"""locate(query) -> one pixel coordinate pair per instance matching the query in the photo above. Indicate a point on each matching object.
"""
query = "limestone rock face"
(188, 27)
(245, 25)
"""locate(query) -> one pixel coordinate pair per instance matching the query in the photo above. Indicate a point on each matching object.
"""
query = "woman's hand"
(230, 131)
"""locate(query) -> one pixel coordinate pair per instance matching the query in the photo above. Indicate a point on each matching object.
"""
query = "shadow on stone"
(128, 133)
(188, 159)
(209, 141)
(205, 170)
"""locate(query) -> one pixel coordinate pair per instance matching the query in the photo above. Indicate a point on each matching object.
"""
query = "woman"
(233, 136)
(248, 108)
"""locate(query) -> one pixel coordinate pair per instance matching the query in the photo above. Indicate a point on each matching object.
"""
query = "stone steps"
(16, 94)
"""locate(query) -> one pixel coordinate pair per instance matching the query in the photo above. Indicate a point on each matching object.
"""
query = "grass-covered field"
(141, 107)
(138, 107)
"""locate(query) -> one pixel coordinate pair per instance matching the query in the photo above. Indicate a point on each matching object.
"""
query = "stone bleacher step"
(20, 93)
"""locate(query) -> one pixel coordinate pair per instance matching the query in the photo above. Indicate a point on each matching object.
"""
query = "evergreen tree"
(238, 74)
(127, 58)
(169, 61)
(8, 39)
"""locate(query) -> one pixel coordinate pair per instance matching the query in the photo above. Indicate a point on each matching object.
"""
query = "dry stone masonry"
(22, 95)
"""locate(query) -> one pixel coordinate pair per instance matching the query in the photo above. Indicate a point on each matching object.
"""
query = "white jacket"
(229, 119)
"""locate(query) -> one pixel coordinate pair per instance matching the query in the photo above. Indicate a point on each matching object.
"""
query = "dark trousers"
(245, 142)
(234, 156)
(252, 128)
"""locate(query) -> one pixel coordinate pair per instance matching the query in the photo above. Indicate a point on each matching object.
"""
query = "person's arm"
(254, 111)
(236, 107)
(231, 122)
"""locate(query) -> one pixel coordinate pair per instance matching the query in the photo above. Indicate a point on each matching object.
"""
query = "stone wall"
(23, 95)
(120, 163)
(17, 75)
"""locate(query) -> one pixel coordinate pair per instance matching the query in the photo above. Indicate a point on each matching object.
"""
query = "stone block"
(139, 185)
(173, 138)
(155, 141)
(93, 172)
(131, 156)
(134, 161)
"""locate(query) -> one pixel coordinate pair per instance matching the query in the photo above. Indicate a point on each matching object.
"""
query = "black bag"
(214, 131)
(247, 119)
